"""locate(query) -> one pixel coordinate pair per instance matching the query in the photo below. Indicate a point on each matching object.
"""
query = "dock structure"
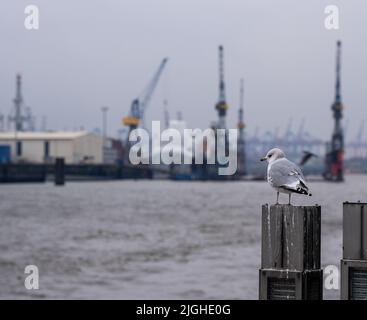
(290, 253)
(354, 262)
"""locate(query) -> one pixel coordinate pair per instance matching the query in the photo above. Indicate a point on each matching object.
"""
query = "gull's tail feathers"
(298, 189)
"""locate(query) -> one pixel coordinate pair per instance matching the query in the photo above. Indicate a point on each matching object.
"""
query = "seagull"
(283, 175)
(307, 155)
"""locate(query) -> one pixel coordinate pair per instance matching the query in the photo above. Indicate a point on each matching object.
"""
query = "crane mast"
(22, 116)
(334, 160)
(221, 105)
(147, 94)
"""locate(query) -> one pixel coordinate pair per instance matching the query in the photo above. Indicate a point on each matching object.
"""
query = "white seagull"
(283, 175)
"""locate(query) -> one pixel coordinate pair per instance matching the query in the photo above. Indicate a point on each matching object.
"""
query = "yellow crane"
(139, 104)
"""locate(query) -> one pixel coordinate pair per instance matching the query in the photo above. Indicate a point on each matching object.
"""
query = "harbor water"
(149, 239)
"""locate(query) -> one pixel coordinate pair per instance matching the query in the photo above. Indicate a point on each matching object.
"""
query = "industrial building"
(43, 147)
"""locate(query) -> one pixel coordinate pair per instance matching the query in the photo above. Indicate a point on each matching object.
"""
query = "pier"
(59, 173)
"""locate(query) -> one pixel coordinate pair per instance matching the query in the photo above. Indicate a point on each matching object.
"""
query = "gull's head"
(272, 155)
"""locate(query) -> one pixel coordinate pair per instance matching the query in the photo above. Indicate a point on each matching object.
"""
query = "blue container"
(5, 154)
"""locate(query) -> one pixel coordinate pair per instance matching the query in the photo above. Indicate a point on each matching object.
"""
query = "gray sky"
(89, 53)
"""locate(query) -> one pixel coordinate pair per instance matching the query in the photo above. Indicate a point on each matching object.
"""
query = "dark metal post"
(354, 262)
(59, 172)
(290, 253)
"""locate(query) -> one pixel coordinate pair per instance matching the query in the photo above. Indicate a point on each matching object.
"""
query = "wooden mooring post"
(354, 262)
(290, 253)
(59, 173)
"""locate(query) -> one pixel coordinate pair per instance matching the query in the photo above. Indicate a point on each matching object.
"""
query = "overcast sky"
(89, 53)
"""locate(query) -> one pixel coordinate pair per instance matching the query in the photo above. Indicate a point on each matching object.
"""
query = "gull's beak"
(264, 159)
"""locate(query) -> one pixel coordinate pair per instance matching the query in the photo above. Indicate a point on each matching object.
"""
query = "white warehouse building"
(40, 147)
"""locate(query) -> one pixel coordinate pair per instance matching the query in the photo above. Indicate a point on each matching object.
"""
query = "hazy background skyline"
(90, 53)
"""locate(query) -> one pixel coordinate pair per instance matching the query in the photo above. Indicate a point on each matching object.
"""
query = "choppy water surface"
(149, 239)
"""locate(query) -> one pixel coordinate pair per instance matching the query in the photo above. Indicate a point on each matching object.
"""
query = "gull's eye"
(270, 155)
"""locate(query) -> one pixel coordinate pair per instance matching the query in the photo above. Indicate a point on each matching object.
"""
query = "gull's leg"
(277, 197)
(289, 198)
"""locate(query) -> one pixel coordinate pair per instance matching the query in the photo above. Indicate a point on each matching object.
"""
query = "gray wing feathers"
(284, 173)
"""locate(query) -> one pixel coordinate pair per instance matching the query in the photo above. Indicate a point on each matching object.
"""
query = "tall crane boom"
(222, 89)
(148, 92)
(140, 104)
(334, 159)
(221, 105)
(337, 106)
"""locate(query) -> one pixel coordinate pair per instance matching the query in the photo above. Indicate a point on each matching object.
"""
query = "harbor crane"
(21, 116)
(334, 160)
(221, 105)
(140, 104)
